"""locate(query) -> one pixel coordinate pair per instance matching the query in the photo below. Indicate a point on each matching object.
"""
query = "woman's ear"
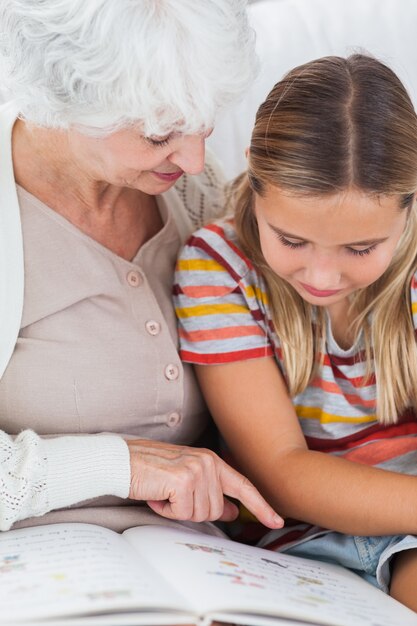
(247, 152)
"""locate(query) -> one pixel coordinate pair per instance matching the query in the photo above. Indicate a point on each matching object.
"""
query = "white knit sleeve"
(38, 475)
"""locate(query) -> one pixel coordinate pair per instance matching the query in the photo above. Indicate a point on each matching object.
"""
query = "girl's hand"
(185, 483)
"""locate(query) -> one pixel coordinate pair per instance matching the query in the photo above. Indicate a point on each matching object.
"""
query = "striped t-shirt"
(223, 314)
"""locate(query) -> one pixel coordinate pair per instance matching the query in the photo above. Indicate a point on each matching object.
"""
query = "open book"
(74, 574)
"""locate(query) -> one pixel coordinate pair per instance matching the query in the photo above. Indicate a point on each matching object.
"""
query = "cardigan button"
(134, 279)
(174, 419)
(171, 372)
(153, 327)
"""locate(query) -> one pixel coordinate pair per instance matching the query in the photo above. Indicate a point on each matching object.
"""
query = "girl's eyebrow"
(366, 242)
(283, 233)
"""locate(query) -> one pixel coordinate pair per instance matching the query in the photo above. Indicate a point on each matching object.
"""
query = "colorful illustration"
(11, 563)
(203, 548)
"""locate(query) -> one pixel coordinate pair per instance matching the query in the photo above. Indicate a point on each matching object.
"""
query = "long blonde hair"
(331, 125)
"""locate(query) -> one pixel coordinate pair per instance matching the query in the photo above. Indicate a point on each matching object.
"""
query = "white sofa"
(291, 32)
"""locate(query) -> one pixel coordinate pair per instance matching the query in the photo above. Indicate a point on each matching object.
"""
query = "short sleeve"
(219, 301)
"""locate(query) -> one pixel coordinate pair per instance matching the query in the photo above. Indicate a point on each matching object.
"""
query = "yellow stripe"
(205, 265)
(255, 292)
(212, 309)
(311, 412)
(414, 307)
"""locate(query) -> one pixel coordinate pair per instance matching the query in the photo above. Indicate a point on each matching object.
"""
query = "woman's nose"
(190, 154)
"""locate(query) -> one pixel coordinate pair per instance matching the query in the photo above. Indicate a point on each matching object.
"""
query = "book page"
(70, 569)
(224, 576)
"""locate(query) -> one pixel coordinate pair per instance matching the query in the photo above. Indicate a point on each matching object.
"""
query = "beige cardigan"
(44, 474)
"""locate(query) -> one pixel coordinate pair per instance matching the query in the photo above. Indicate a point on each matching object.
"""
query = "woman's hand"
(184, 483)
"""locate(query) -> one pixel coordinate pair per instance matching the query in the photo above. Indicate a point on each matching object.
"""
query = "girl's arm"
(251, 406)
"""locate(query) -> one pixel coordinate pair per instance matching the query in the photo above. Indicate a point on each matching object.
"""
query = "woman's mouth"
(168, 176)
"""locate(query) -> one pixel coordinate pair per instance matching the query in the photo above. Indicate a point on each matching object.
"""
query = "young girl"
(300, 314)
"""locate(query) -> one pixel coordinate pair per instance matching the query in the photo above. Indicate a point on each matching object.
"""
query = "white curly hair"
(102, 65)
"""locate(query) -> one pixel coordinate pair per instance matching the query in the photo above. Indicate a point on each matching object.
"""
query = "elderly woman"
(111, 105)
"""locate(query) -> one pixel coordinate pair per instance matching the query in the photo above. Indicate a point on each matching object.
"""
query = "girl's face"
(327, 247)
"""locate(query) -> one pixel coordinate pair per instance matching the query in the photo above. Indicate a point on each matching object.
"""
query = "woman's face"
(128, 159)
(328, 247)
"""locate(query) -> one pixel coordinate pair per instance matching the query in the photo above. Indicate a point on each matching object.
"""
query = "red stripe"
(355, 381)
(228, 357)
(215, 228)
(201, 244)
(407, 425)
(331, 387)
(292, 535)
(332, 359)
(225, 332)
(205, 291)
(382, 451)
(177, 290)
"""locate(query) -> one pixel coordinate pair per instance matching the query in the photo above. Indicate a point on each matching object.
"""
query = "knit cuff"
(84, 467)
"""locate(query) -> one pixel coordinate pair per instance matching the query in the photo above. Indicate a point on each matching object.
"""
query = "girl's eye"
(158, 142)
(361, 252)
(289, 243)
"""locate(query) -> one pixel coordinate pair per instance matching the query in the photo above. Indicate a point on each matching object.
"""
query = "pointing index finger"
(237, 486)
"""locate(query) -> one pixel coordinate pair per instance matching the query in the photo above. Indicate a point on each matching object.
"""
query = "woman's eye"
(362, 252)
(290, 244)
(158, 141)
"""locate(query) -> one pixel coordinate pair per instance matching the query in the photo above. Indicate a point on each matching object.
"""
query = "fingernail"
(278, 520)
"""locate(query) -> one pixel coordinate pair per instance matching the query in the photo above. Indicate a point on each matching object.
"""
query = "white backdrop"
(291, 32)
